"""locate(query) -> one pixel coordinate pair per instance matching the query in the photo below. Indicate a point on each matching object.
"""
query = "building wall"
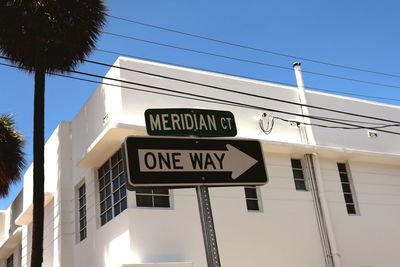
(284, 233)
(370, 238)
(354, 139)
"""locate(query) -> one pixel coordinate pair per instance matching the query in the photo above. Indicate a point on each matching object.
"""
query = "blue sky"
(359, 33)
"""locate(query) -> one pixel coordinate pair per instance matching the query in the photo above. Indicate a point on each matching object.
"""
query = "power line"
(242, 93)
(249, 94)
(327, 119)
(254, 48)
(249, 61)
(196, 96)
(246, 77)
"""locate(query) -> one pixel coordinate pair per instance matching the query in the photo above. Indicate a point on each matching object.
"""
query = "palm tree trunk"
(38, 169)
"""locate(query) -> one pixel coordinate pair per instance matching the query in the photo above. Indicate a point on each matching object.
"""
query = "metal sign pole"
(207, 223)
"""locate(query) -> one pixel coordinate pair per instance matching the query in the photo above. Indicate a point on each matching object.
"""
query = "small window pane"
(115, 171)
(251, 192)
(103, 219)
(121, 167)
(161, 191)
(296, 163)
(108, 190)
(82, 213)
(144, 200)
(101, 183)
(102, 194)
(351, 209)
(346, 188)
(161, 201)
(81, 202)
(342, 167)
(117, 209)
(124, 204)
(116, 196)
(82, 235)
(298, 174)
(123, 192)
(116, 184)
(109, 215)
(348, 198)
(252, 204)
(122, 179)
(300, 185)
(107, 178)
(102, 206)
(344, 178)
(82, 223)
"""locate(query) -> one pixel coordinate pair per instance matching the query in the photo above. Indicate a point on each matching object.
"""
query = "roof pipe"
(332, 255)
(306, 131)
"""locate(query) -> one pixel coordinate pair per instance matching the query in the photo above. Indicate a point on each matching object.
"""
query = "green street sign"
(190, 122)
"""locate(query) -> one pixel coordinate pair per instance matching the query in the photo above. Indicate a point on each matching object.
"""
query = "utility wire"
(277, 82)
(246, 94)
(254, 48)
(327, 119)
(249, 61)
(210, 99)
(332, 127)
(243, 93)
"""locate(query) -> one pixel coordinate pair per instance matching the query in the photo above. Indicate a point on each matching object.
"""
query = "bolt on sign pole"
(207, 223)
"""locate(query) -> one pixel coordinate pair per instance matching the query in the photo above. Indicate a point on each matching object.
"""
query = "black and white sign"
(181, 162)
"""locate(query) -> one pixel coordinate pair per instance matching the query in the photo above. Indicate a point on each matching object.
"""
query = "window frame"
(296, 179)
(152, 194)
(80, 208)
(116, 181)
(258, 198)
(350, 184)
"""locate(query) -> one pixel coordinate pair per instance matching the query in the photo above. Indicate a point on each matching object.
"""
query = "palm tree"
(47, 36)
(11, 155)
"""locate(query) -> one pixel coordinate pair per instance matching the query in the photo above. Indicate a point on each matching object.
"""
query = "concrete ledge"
(11, 243)
(26, 215)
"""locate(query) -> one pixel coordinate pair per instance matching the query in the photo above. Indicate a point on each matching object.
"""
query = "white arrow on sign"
(171, 160)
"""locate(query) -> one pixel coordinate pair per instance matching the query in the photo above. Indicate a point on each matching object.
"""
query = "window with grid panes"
(112, 188)
(152, 198)
(82, 212)
(298, 175)
(347, 188)
(10, 261)
(252, 200)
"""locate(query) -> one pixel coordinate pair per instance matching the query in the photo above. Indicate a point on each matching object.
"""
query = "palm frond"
(11, 155)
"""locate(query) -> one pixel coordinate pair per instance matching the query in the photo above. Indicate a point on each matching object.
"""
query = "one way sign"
(181, 162)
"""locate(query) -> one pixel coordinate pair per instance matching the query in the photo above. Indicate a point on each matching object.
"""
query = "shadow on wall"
(16, 209)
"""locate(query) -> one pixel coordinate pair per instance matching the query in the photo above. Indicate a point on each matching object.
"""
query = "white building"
(333, 194)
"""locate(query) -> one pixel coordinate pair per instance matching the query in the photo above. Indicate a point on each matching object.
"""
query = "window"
(10, 261)
(298, 175)
(252, 198)
(82, 211)
(152, 198)
(347, 187)
(112, 188)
